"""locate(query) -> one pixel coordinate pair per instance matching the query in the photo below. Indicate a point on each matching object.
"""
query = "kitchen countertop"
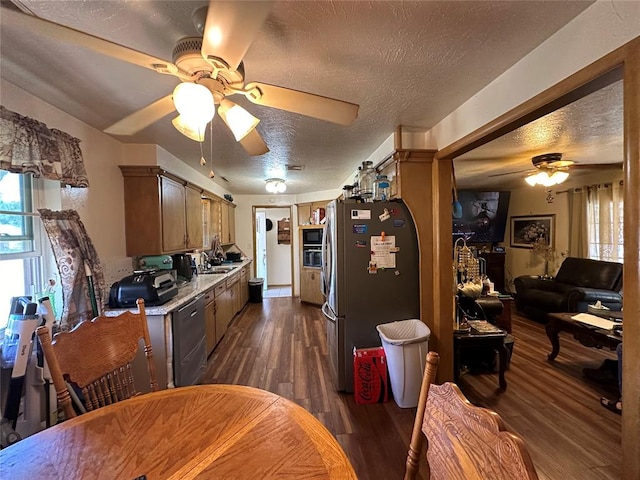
(198, 284)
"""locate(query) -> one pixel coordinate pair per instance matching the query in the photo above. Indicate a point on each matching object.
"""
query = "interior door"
(261, 247)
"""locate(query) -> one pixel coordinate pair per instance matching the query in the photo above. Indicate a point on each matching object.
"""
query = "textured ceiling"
(409, 63)
(588, 132)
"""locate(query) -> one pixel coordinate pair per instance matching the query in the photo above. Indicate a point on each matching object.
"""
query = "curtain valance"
(29, 146)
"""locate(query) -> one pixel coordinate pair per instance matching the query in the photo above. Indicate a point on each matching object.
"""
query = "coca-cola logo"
(366, 375)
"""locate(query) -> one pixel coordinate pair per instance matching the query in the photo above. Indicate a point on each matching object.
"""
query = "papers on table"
(594, 321)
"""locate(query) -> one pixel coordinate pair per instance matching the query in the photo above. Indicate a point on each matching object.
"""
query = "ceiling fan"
(213, 61)
(551, 170)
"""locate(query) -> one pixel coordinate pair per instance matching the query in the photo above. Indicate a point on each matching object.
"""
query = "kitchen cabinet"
(244, 285)
(193, 214)
(224, 312)
(305, 211)
(233, 285)
(162, 212)
(210, 320)
(310, 291)
(227, 223)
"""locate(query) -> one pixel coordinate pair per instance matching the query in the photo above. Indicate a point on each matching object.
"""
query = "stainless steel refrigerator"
(367, 278)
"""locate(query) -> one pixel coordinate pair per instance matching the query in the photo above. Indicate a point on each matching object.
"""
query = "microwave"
(312, 236)
(312, 258)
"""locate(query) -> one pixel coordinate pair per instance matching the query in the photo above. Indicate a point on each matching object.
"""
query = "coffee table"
(462, 341)
(587, 335)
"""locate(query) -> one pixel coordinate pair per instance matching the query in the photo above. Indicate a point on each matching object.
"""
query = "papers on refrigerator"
(383, 251)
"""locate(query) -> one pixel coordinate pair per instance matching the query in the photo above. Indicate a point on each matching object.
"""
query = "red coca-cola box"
(370, 376)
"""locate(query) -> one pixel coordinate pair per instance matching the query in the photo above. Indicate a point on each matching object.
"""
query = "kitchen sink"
(218, 270)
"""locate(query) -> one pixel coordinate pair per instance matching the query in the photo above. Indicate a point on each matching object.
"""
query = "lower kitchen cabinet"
(223, 310)
(210, 320)
(310, 286)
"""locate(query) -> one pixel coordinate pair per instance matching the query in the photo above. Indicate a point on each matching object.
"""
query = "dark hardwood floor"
(280, 345)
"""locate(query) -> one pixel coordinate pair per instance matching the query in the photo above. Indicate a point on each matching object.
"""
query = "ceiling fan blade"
(254, 144)
(82, 39)
(596, 165)
(308, 104)
(143, 118)
(509, 173)
(230, 28)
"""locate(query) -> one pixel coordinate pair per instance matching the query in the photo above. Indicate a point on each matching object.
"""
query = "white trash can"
(405, 344)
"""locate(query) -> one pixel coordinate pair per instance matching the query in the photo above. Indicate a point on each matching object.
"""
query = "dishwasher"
(189, 348)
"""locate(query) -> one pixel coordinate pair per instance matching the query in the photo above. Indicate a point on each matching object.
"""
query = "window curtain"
(578, 224)
(605, 209)
(28, 146)
(76, 257)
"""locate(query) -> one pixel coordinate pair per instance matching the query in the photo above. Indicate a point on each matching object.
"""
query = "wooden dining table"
(206, 431)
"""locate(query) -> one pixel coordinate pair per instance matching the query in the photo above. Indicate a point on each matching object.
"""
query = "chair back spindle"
(96, 356)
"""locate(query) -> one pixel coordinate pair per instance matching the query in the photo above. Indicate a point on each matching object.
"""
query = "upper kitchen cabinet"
(162, 212)
(311, 213)
(227, 222)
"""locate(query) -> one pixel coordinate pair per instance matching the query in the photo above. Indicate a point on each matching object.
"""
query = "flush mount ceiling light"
(275, 185)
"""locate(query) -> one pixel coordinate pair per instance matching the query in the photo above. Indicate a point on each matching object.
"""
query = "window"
(605, 219)
(20, 259)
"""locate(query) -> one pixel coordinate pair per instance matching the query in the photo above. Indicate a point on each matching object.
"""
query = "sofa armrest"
(579, 295)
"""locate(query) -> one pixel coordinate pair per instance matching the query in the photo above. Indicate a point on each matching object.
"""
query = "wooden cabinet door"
(193, 209)
(173, 215)
(210, 321)
(310, 286)
(216, 219)
(232, 223)
(244, 286)
(223, 313)
(304, 213)
(224, 222)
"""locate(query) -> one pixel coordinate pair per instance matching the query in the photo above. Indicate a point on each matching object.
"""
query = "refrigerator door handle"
(326, 310)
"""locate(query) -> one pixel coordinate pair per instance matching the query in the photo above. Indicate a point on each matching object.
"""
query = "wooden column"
(631, 279)
(425, 187)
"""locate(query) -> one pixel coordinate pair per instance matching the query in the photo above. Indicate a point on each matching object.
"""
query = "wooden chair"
(96, 356)
(464, 442)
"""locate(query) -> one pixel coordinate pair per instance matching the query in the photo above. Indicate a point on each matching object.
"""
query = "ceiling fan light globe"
(239, 121)
(194, 102)
(191, 130)
(558, 177)
(532, 180)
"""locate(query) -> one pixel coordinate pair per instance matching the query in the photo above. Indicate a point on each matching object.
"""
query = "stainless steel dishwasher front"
(189, 348)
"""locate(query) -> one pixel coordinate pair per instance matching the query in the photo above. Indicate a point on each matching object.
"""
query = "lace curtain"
(29, 146)
(596, 223)
(74, 253)
(605, 209)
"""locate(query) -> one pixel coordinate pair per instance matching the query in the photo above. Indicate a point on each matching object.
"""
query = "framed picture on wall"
(527, 229)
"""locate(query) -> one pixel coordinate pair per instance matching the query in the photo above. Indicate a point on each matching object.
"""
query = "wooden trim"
(623, 61)
(631, 273)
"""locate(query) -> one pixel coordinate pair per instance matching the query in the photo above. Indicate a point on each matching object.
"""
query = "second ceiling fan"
(210, 69)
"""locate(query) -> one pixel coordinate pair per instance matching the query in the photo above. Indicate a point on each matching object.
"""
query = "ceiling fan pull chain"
(211, 174)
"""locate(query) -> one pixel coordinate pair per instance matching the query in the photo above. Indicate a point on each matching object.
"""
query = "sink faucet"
(204, 260)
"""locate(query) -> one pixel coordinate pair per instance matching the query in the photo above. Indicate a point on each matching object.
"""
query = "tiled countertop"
(198, 284)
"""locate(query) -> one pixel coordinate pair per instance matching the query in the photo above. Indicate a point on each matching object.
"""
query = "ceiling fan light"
(559, 176)
(239, 121)
(532, 179)
(189, 129)
(276, 185)
(194, 102)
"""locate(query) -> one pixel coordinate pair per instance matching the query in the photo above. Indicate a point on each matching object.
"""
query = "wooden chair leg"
(417, 438)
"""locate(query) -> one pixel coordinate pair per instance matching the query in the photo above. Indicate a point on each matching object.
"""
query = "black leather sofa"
(578, 283)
